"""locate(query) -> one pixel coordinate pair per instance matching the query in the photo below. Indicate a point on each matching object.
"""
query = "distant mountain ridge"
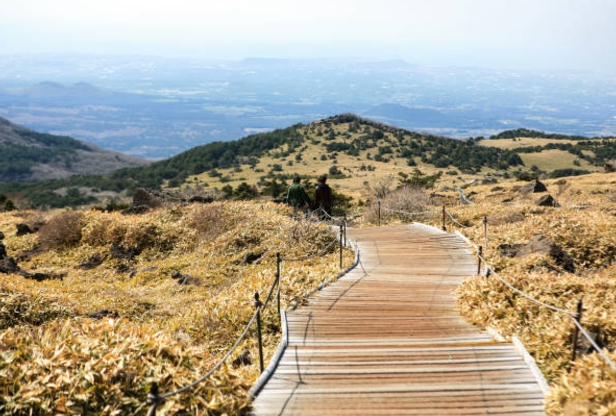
(28, 156)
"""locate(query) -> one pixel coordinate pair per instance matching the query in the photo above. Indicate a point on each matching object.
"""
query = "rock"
(547, 201)
(8, 265)
(135, 210)
(250, 258)
(242, 359)
(23, 229)
(509, 250)
(201, 199)
(103, 314)
(94, 261)
(120, 253)
(534, 186)
(1, 236)
(540, 244)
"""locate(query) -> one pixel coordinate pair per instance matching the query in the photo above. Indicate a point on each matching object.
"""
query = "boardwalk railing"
(575, 316)
(155, 398)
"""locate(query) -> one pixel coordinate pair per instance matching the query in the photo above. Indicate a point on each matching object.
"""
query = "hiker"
(297, 196)
(323, 198)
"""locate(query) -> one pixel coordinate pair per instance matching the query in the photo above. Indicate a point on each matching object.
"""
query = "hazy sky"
(554, 34)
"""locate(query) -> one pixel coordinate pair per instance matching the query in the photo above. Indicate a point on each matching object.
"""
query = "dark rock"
(120, 253)
(104, 313)
(94, 261)
(146, 198)
(1, 236)
(547, 201)
(534, 186)
(509, 250)
(201, 199)
(8, 265)
(135, 210)
(23, 229)
(251, 258)
(242, 359)
(39, 277)
(540, 244)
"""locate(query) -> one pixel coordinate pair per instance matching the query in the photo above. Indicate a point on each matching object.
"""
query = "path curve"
(385, 340)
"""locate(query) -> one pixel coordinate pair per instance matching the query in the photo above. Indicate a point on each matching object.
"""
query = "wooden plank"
(386, 339)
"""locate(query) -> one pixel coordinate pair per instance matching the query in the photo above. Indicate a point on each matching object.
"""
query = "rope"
(220, 363)
(572, 315)
(458, 224)
(594, 344)
(422, 213)
(311, 256)
(519, 292)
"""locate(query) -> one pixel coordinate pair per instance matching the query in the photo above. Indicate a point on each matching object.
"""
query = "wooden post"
(444, 218)
(379, 214)
(341, 245)
(278, 261)
(479, 254)
(576, 331)
(258, 305)
(485, 235)
(345, 230)
(154, 399)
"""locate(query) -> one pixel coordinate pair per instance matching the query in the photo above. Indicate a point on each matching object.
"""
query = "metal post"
(258, 305)
(379, 214)
(576, 331)
(485, 234)
(444, 218)
(341, 245)
(154, 399)
(278, 261)
(479, 255)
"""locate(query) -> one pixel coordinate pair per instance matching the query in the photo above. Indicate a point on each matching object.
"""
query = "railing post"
(379, 214)
(444, 218)
(341, 225)
(345, 230)
(485, 234)
(278, 261)
(258, 305)
(576, 331)
(479, 255)
(154, 399)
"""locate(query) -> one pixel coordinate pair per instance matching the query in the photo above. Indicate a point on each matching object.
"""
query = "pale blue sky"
(553, 34)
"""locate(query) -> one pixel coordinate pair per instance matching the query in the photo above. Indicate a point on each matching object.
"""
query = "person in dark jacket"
(323, 198)
(297, 196)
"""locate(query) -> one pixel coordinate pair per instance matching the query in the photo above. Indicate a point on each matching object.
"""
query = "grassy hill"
(28, 156)
(358, 154)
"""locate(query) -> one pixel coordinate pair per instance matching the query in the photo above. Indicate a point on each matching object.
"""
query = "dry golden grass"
(583, 228)
(92, 342)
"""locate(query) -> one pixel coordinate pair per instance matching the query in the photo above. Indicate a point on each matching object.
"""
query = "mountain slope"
(28, 156)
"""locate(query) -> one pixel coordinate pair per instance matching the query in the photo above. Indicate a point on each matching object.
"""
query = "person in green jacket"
(297, 196)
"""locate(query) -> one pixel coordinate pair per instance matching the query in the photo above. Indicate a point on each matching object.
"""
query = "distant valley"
(154, 108)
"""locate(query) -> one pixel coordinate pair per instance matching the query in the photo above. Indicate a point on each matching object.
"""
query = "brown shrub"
(63, 230)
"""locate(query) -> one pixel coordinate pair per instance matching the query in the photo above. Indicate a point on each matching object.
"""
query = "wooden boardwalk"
(385, 340)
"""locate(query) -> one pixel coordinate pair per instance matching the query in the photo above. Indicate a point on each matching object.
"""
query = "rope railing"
(155, 398)
(575, 316)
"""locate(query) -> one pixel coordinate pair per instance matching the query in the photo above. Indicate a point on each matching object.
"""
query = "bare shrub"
(63, 230)
(408, 203)
(210, 221)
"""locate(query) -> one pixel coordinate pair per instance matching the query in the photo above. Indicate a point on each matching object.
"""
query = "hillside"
(161, 296)
(357, 153)
(28, 156)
